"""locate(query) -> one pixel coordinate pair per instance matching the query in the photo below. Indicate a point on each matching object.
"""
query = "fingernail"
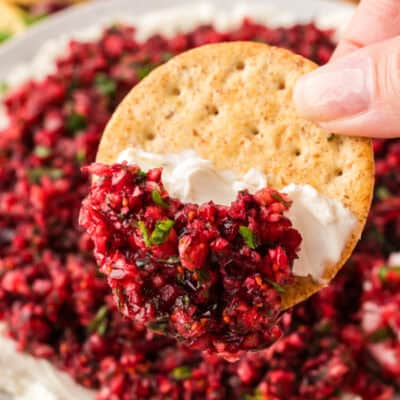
(340, 89)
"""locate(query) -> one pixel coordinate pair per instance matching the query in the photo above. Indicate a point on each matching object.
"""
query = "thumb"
(358, 94)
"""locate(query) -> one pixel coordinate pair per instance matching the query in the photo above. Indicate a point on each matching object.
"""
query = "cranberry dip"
(210, 274)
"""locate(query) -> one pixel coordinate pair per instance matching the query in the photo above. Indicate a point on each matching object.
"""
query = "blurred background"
(18, 15)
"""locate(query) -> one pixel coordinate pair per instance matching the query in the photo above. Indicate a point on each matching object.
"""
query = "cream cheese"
(28, 378)
(324, 224)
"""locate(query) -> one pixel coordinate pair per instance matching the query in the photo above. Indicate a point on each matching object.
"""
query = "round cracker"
(232, 104)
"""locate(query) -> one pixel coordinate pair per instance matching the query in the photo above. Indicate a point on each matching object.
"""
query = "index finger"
(374, 21)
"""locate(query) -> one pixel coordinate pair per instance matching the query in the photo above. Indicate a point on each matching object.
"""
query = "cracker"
(232, 104)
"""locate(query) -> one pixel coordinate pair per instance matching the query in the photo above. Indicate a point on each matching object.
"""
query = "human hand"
(358, 91)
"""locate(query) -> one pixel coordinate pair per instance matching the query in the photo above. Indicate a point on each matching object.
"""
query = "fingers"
(358, 94)
(374, 21)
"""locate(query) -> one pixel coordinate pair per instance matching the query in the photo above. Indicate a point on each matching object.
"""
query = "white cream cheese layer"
(324, 224)
(24, 377)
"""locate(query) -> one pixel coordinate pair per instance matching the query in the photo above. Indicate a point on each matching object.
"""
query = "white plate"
(22, 49)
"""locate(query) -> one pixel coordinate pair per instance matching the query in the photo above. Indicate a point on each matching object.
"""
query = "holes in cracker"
(281, 84)
(240, 65)
(297, 152)
(338, 172)
(212, 110)
(150, 136)
(175, 91)
(255, 131)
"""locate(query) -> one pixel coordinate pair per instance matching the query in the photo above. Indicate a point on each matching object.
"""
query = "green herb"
(166, 56)
(80, 156)
(384, 271)
(42, 151)
(105, 85)
(4, 36)
(324, 327)
(381, 335)
(100, 322)
(248, 236)
(277, 197)
(4, 87)
(185, 300)
(181, 373)
(35, 174)
(382, 193)
(256, 396)
(161, 231)
(143, 70)
(156, 196)
(76, 122)
(202, 276)
(159, 326)
(145, 233)
(276, 286)
(140, 176)
(30, 19)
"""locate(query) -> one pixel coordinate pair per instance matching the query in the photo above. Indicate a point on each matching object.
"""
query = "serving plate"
(24, 47)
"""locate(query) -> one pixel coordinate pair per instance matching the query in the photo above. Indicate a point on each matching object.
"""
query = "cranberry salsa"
(56, 304)
(209, 275)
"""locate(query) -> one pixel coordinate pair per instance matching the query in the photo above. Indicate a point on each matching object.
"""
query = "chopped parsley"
(161, 231)
(42, 151)
(143, 70)
(156, 196)
(145, 233)
(4, 87)
(181, 373)
(384, 271)
(381, 335)
(276, 286)
(257, 395)
(76, 122)
(35, 174)
(382, 193)
(159, 326)
(248, 236)
(100, 322)
(105, 85)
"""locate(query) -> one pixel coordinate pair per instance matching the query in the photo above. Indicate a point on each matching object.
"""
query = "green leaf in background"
(143, 70)
(35, 174)
(381, 335)
(42, 151)
(181, 373)
(30, 19)
(161, 231)
(384, 271)
(4, 87)
(256, 396)
(76, 122)
(4, 36)
(105, 85)
(156, 196)
(382, 193)
(100, 322)
(248, 236)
